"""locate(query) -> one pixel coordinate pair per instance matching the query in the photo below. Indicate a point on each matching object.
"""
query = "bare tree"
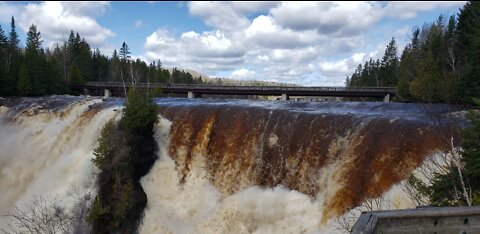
(40, 216)
(441, 163)
(45, 215)
(345, 222)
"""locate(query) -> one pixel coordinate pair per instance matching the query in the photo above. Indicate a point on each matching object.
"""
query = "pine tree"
(34, 40)
(84, 59)
(468, 30)
(23, 84)
(12, 60)
(3, 60)
(3, 40)
(124, 52)
(35, 61)
(13, 40)
(389, 67)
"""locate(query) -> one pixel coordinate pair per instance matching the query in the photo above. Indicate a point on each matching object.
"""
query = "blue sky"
(308, 43)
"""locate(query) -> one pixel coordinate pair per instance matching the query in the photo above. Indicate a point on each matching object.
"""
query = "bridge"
(196, 90)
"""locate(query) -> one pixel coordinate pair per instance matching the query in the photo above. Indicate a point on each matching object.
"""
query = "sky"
(304, 43)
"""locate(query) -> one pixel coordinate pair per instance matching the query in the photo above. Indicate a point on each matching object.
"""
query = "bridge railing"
(194, 87)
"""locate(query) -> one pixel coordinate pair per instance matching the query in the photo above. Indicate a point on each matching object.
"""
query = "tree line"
(34, 70)
(441, 64)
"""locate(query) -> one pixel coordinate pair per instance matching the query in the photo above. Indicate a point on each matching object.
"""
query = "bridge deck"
(250, 90)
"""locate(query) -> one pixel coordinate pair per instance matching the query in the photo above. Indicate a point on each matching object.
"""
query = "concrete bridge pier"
(285, 97)
(386, 98)
(107, 93)
(194, 95)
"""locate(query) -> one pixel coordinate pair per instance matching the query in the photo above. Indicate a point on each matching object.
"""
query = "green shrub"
(106, 146)
(139, 115)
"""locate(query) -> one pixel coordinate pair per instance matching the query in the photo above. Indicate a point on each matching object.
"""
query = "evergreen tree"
(3, 60)
(13, 40)
(35, 62)
(23, 84)
(389, 65)
(76, 75)
(34, 40)
(471, 151)
(3, 39)
(124, 52)
(114, 71)
(468, 30)
(84, 59)
(12, 60)
(425, 86)
(406, 73)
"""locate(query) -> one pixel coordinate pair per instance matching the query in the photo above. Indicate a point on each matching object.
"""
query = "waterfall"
(46, 151)
(241, 167)
(227, 166)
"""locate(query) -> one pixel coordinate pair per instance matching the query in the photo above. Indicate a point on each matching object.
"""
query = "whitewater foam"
(48, 154)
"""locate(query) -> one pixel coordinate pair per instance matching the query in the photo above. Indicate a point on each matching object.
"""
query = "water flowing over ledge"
(227, 165)
(243, 166)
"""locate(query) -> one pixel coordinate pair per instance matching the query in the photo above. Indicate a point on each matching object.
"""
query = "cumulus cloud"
(228, 16)
(344, 66)
(206, 52)
(310, 43)
(243, 74)
(219, 15)
(264, 32)
(55, 20)
(330, 18)
(408, 10)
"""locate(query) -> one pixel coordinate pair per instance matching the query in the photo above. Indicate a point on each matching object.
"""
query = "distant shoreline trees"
(35, 70)
(441, 64)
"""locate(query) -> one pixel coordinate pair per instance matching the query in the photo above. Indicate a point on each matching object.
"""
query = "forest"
(34, 70)
(441, 63)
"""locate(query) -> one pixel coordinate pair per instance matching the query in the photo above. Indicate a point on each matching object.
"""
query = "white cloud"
(329, 18)
(55, 20)
(209, 51)
(343, 67)
(310, 43)
(243, 74)
(252, 7)
(220, 15)
(228, 16)
(85, 8)
(408, 10)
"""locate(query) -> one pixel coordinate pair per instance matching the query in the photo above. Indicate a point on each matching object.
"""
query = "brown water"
(371, 146)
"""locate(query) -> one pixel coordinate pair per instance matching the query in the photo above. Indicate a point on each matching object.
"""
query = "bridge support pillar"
(386, 98)
(285, 97)
(107, 93)
(194, 95)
